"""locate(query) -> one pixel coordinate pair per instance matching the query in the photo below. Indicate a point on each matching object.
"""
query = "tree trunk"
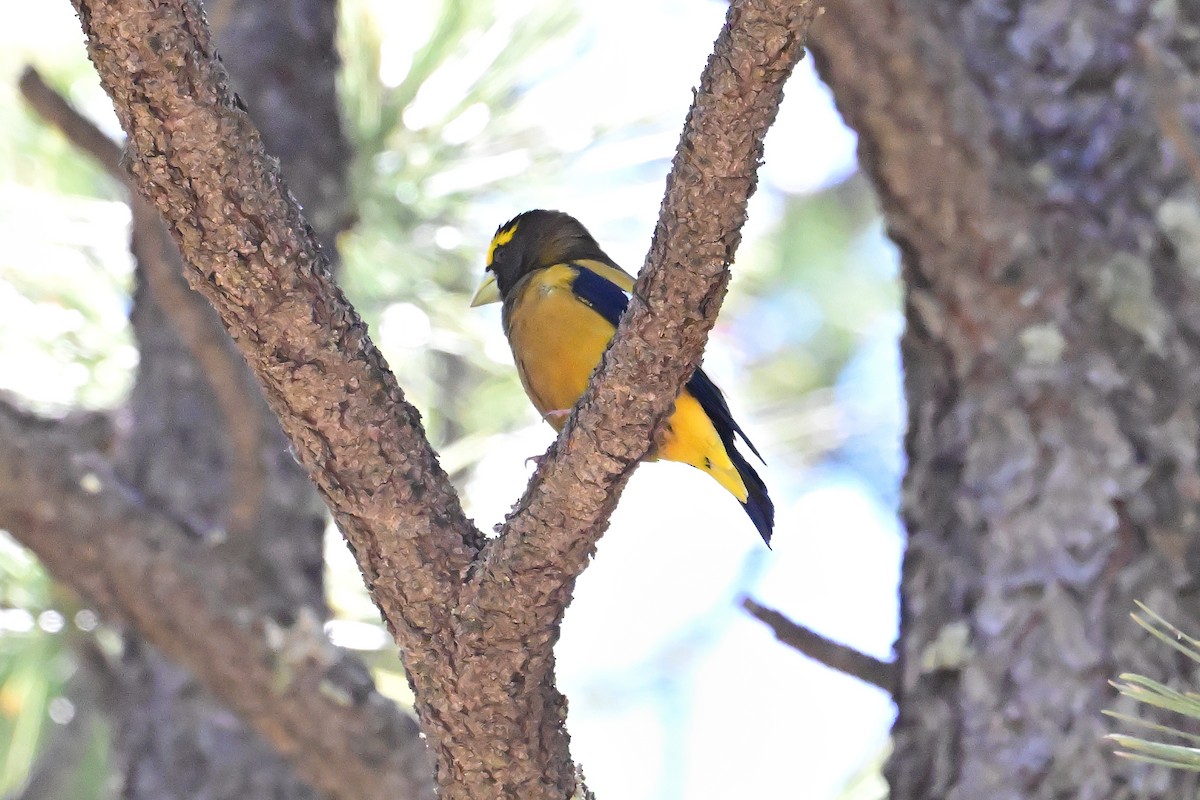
(1037, 166)
(172, 740)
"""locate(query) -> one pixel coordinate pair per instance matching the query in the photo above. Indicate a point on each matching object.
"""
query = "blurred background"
(462, 114)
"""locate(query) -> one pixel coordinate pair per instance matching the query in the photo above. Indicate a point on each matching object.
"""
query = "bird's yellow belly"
(557, 343)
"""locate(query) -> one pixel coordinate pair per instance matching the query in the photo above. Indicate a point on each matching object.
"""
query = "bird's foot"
(555, 418)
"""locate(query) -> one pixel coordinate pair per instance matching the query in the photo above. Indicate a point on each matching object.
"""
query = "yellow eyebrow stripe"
(501, 238)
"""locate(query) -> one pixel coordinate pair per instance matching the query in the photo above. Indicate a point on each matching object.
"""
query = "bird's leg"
(559, 416)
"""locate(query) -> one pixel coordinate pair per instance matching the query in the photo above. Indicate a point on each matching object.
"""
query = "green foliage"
(812, 268)
(35, 665)
(810, 291)
(64, 292)
(64, 270)
(66, 304)
(28, 156)
(427, 143)
(25, 661)
(1157, 695)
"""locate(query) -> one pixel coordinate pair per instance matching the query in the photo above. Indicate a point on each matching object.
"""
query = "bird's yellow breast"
(557, 340)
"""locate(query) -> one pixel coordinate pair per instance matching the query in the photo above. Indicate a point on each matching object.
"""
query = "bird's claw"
(557, 415)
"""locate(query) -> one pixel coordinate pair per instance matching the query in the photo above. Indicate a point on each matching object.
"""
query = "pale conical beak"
(488, 292)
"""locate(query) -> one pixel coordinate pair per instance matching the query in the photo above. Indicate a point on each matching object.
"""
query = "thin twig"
(190, 315)
(79, 130)
(834, 655)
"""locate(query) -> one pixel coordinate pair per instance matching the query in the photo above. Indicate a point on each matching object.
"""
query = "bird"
(562, 299)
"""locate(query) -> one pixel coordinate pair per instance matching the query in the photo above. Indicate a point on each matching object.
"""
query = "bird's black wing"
(610, 301)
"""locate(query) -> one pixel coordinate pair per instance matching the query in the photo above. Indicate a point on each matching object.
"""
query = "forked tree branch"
(476, 624)
(135, 566)
(547, 542)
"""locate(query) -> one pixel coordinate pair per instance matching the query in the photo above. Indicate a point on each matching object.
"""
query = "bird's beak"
(488, 292)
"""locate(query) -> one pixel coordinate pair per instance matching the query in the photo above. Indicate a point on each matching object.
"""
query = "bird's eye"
(502, 237)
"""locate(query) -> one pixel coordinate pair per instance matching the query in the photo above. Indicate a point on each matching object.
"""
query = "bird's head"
(531, 241)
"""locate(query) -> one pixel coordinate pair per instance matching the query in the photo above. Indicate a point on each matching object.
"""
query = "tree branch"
(476, 626)
(675, 302)
(196, 155)
(79, 130)
(835, 655)
(189, 314)
(552, 534)
(137, 567)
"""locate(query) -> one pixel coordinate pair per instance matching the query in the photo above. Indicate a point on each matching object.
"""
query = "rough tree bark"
(193, 598)
(476, 619)
(199, 449)
(142, 567)
(202, 445)
(1037, 167)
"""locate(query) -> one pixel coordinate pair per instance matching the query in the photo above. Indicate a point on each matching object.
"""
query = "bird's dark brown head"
(536, 240)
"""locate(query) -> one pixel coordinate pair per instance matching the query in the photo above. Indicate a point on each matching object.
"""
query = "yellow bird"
(563, 298)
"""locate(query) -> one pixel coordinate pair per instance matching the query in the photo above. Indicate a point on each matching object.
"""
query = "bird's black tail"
(758, 504)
